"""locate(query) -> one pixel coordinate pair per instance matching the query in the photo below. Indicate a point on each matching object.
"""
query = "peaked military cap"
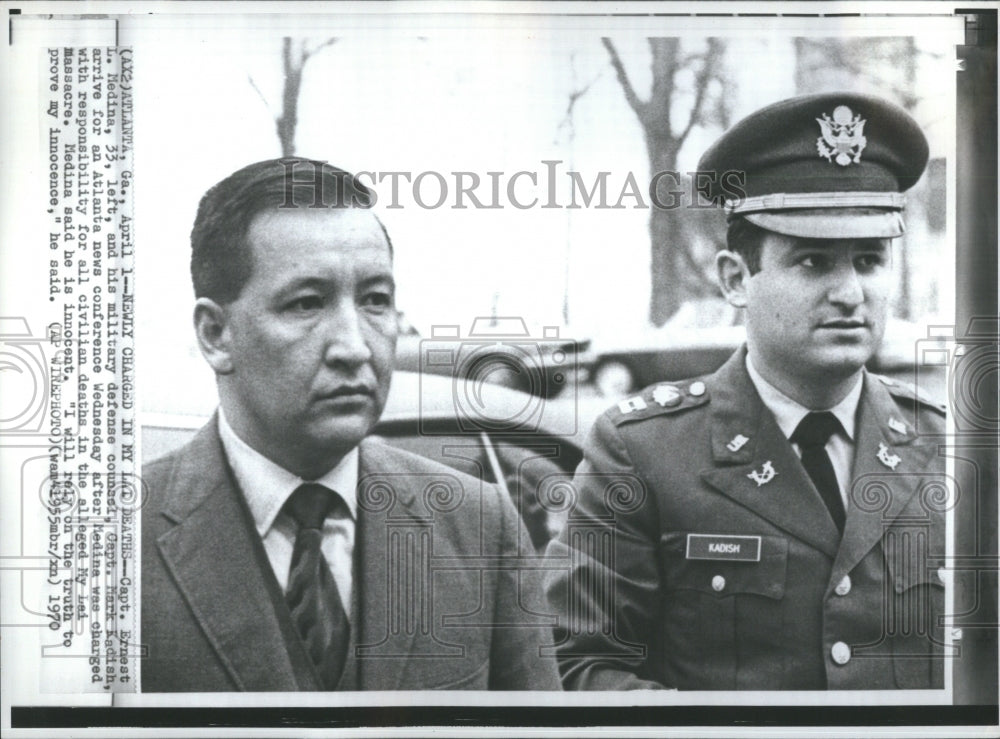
(831, 165)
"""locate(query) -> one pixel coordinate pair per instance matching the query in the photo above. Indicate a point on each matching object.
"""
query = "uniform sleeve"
(520, 652)
(603, 582)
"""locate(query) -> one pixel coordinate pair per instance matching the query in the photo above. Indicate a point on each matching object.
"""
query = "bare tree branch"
(701, 86)
(838, 55)
(329, 42)
(574, 96)
(664, 66)
(287, 122)
(678, 273)
(259, 93)
(633, 100)
(286, 53)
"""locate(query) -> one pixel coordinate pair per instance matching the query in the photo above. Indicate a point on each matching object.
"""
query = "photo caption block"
(93, 493)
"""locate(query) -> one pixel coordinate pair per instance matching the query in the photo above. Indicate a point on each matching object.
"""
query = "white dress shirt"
(266, 486)
(789, 413)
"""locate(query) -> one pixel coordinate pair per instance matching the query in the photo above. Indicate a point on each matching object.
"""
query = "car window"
(526, 463)
(464, 453)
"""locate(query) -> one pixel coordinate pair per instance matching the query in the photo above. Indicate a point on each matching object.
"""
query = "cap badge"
(843, 137)
(765, 475)
(889, 460)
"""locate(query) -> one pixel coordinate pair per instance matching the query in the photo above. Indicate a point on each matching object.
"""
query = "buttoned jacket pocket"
(725, 577)
(914, 618)
(721, 613)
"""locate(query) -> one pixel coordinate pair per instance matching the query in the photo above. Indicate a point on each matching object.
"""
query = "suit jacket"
(686, 564)
(441, 598)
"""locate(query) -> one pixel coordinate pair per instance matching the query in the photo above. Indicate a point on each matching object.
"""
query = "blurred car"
(675, 353)
(634, 361)
(527, 457)
(497, 350)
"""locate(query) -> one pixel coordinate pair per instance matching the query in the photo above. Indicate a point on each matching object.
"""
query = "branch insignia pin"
(889, 460)
(765, 475)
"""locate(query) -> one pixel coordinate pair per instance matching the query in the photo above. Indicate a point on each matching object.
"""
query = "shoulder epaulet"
(660, 399)
(909, 391)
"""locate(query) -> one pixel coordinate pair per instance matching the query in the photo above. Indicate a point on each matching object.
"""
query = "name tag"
(719, 546)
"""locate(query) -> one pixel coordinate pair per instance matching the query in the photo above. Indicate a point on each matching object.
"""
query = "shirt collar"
(789, 413)
(266, 485)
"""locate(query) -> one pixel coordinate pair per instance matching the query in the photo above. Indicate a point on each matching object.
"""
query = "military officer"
(779, 524)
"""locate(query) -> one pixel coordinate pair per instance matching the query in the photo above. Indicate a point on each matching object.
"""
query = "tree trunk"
(289, 118)
(674, 273)
(667, 290)
(666, 235)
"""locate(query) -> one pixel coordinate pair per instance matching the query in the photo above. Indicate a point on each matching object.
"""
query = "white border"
(445, 17)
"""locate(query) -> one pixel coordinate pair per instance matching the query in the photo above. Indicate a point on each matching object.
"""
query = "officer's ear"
(211, 327)
(733, 275)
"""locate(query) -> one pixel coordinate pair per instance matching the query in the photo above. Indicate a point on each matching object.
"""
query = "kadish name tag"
(719, 546)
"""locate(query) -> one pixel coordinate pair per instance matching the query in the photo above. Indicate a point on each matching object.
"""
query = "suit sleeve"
(603, 582)
(519, 659)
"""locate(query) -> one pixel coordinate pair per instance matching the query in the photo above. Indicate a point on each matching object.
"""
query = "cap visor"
(831, 223)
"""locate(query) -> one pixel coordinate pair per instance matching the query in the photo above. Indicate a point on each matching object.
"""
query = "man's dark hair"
(746, 239)
(220, 261)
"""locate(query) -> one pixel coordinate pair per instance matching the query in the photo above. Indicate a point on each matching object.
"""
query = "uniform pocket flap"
(723, 565)
(909, 567)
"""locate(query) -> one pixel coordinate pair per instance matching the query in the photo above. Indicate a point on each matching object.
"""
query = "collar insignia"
(842, 139)
(889, 460)
(765, 475)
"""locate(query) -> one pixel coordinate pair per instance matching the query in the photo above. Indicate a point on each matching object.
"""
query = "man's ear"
(212, 329)
(733, 275)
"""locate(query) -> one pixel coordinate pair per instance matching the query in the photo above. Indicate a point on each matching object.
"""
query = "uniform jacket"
(637, 609)
(438, 601)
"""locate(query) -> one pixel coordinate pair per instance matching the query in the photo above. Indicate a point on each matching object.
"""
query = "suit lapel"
(882, 483)
(400, 646)
(788, 499)
(214, 555)
(383, 642)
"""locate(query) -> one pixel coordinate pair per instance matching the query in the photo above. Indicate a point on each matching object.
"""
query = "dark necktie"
(811, 435)
(312, 595)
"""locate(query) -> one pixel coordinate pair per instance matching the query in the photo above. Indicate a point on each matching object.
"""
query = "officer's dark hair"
(746, 239)
(220, 260)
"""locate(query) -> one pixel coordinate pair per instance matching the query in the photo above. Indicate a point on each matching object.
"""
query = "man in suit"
(778, 525)
(282, 550)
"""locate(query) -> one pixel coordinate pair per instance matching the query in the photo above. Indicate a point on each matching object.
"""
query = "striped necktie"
(312, 595)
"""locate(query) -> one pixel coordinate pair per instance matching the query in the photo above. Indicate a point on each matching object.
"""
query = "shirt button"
(844, 586)
(718, 583)
(841, 653)
(942, 574)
